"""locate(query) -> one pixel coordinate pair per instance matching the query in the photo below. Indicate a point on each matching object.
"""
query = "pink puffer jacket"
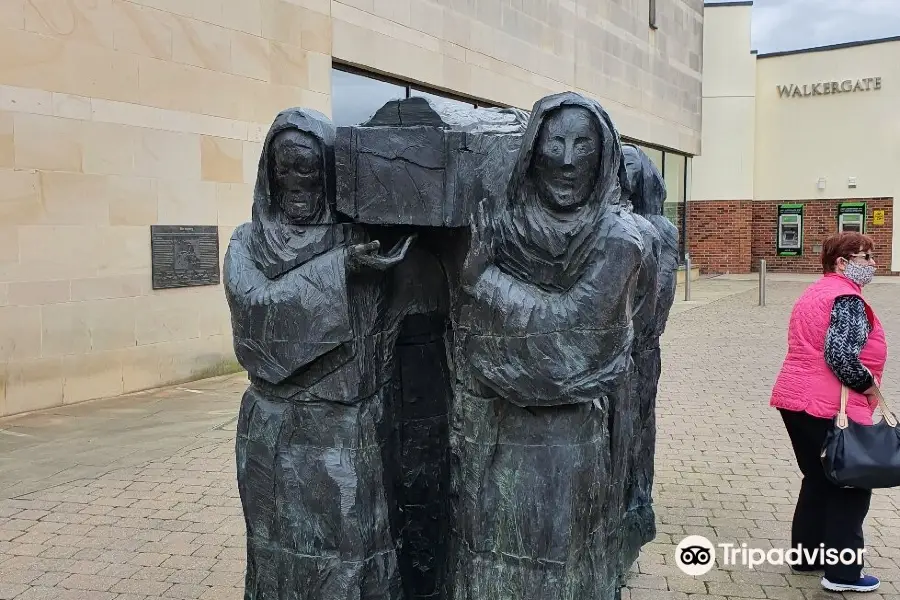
(805, 383)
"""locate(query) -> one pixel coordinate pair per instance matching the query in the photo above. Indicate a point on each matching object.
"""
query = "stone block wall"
(516, 51)
(116, 115)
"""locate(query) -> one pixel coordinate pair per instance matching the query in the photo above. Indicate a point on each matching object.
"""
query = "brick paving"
(135, 499)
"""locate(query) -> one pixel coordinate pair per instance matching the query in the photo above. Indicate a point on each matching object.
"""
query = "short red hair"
(842, 245)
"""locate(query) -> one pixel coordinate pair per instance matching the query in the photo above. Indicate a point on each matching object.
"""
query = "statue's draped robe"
(648, 193)
(312, 424)
(633, 421)
(309, 446)
(540, 371)
(648, 366)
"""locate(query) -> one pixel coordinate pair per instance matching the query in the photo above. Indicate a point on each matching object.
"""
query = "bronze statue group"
(456, 413)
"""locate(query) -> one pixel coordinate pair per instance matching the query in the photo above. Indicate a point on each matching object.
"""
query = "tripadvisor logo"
(695, 555)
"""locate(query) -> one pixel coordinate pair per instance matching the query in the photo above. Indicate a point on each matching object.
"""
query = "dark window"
(357, 95)
(355, 98)
(653, 14)
(675, 174)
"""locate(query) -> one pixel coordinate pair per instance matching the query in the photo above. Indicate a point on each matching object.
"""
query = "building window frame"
(410, 86)
(682, 242)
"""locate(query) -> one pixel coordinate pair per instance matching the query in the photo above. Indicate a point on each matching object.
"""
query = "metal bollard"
(762, 282)
(687, 278)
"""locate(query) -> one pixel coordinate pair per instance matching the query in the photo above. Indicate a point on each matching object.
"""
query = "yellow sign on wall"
(878, 217)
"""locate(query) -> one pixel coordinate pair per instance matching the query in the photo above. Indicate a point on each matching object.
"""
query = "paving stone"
(86, 567)
(187, 591)
(649, 594)
(11, 575)
(119, 570)
(8, 591)
(651, 582)
(94, 582)
(223, 594)
(783, 593)
(736, 590)
(56, 593)
(686, 585)
(148, 559)
(187, 576)
(8, 535)
(222, 579)
(154, 574)
(759, 577)
(50, 579)
(208, 551)
(137, 586)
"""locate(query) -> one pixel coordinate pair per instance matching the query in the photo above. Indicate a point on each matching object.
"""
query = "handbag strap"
(886, 412)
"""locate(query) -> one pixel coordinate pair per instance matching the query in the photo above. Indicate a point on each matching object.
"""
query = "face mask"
(859, 274)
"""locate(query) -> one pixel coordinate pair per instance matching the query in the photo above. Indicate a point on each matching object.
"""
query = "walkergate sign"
(825, 88)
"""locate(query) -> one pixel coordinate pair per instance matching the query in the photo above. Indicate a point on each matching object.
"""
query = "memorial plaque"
(184, 255)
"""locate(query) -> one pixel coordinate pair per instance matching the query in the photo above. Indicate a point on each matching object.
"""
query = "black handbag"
(863, 456)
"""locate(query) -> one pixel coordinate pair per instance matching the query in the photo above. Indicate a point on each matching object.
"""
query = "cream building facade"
(117, 115)
(812, 131)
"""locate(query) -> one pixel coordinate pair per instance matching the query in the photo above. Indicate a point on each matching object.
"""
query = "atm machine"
(790, 230)
(852, 217)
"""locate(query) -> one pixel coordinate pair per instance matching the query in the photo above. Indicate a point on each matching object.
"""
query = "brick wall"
(719, 235)
(820, 219)
(732, 236)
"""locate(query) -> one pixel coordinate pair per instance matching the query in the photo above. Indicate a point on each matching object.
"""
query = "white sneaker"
(866, 583)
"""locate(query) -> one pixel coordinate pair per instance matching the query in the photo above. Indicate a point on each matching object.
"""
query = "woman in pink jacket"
(834, 339)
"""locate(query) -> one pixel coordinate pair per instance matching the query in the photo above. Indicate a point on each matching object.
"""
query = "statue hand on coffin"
(365, 256)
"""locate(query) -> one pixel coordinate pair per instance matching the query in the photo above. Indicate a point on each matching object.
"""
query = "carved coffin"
(425, 162)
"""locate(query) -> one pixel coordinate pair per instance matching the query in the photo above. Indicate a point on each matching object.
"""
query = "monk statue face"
(567, 158)
(297, 175)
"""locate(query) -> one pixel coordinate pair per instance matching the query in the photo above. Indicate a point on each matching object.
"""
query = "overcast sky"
(792, 24)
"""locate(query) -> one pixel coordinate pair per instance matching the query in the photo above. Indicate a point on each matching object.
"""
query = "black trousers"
(825, 513)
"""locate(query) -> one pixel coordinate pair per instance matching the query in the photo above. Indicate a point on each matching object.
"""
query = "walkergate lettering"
(825, 88)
